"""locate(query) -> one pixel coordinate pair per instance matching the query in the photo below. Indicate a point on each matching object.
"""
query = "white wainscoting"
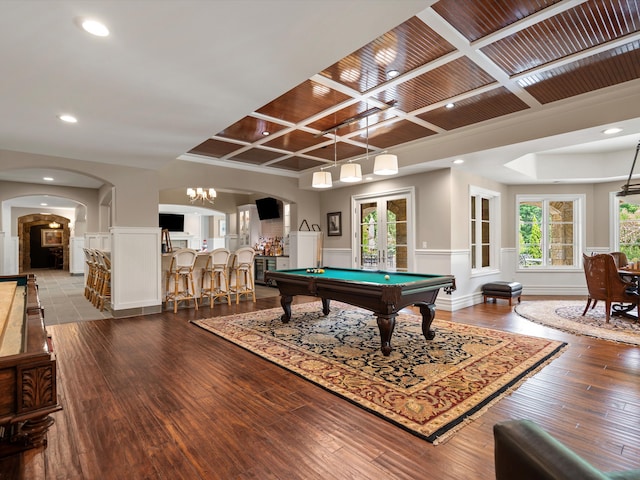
(135, 270)
(98, 240)
(9, 251)
(547, 282)
(76, 256)
(337, 257)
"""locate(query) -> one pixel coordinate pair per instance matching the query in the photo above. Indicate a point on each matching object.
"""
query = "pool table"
(383, 293)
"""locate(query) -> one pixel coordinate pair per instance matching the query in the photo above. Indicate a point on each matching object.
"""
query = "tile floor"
(62, 297)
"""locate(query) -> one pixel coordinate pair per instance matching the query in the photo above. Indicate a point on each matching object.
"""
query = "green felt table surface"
(364, 276)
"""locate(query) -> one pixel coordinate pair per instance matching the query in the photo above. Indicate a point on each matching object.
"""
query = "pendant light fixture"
(385, 164)
(322, 179)
(352, 172)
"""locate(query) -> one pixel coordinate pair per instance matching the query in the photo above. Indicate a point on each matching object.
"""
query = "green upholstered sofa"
(524, 451)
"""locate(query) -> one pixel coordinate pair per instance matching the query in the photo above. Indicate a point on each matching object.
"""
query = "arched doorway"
(39, 235)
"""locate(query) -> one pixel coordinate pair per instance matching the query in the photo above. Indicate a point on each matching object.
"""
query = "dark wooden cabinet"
(28, 393)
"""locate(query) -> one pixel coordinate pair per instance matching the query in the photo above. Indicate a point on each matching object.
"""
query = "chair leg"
(176, 280)
(587, 306)
(608, 309)
(193, 290)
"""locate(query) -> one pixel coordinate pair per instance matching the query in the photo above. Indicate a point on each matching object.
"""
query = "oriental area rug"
(566, 315)
(430, 388)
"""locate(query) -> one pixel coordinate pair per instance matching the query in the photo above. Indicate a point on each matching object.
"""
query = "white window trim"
(494, 230)
(579, 229)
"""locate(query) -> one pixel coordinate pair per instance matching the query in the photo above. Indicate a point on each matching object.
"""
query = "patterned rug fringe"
(473, 417)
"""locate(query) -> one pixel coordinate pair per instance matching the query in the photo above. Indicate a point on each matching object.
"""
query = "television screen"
(171, 221)
(267, 208)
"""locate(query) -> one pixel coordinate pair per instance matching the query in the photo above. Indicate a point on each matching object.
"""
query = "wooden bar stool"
(104, 288)
(91, 273)
(214, 282)
(243, 273)
(179, 281)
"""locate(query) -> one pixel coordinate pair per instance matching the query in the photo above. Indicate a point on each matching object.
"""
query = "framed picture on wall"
(222, 227)
(51, 238)
(334, 224)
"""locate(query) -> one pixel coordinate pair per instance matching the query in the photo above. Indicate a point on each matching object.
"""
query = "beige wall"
(460, 211)
(85, 196)
(433, 207)
(178, 175)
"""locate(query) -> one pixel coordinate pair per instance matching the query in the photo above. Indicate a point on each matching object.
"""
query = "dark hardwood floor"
(155, 397)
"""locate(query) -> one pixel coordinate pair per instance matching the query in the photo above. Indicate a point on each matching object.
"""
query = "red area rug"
(430, 388)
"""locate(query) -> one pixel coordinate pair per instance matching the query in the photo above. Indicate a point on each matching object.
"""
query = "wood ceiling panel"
(570, 35)
(297, 164)
(449, 80)
(302, 102)
(402, 131)
(479, 18)
(603, 70)
(256, 156)
(294, 141)
(344, 151)
(488, 105)
(250, 129)
(351, 111)
(588, 25)
(215, 148)
(404, 48)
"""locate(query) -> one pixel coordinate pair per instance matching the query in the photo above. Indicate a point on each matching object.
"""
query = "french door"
(382, 232)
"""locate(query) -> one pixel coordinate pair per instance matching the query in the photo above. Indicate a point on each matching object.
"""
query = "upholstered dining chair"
(179, 278)
(620, 258)
(214, 282)
(604, 283)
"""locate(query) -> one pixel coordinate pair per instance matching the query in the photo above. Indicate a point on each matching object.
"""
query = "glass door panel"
(383, 234)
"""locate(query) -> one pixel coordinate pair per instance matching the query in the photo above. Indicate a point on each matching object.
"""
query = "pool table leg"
(285, 302)
(386, 324)
(428, 311)
(325, 306)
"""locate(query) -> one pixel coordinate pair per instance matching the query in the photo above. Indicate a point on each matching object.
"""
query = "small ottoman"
(506, 290)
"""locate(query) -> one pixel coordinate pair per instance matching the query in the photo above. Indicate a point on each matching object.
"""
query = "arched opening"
(43, 241)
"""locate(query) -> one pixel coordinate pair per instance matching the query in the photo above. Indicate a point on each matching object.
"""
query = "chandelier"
(630, 188)
(54, 224)
(202, 194)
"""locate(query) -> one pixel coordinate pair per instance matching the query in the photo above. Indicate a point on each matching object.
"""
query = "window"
(485, 217)
(550, 231)
(627, 215)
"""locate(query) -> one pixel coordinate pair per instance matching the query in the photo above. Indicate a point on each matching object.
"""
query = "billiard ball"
(386, 277)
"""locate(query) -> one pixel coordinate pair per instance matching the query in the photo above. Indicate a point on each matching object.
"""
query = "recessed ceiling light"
(48, 179)
(44, 204)
(611, 131)
(95, 27)
(449, 105)
(393, 73)
(265, 133)
(68, 118)
(458, 161)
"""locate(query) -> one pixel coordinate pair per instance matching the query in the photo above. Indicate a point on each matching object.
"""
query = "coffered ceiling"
(264, 84)
(452, 66)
